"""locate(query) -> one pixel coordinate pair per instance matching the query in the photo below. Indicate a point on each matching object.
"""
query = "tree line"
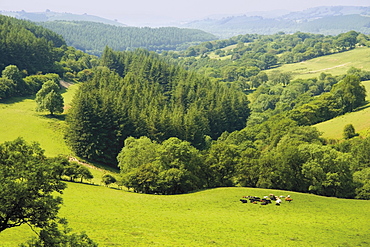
(93, 37)
(174, 131)
(276, 154)
(307, 101)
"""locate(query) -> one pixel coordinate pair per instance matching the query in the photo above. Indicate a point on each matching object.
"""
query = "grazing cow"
(288, 199)
(244, 200)
(278, 201)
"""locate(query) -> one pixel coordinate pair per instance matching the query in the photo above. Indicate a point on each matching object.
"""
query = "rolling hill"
(335, 64)
(208, 218)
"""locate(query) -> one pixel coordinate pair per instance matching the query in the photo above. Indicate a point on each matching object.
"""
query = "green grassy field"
(19, 118)
(209, 218)
(335, 64)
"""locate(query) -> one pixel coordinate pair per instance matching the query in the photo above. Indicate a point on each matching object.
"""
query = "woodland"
(182, 121)
(92, 37)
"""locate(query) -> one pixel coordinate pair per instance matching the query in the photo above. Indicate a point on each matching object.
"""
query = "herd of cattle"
(266, 199)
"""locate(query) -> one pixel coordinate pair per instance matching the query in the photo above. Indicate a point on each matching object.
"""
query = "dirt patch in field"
(315, 71)
(86, 164)
(65, 84)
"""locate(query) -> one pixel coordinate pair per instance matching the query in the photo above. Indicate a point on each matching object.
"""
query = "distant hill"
(326, 11)
(92, 37)
(324, 20)
(53, 16)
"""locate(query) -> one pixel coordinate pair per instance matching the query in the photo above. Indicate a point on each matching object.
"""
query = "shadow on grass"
(60, 117)
(13, 100)
(362, 107)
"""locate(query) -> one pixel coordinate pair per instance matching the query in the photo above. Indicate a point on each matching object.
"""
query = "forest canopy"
(30, 47)
(93, 37)
(136, 94)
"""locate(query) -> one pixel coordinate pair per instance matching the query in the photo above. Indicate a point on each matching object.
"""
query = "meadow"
(335, 64)
(19, 118)
(213, 217)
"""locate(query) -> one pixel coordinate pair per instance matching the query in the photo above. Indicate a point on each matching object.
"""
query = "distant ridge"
(329, 20)
(326, 11)
(54, 16)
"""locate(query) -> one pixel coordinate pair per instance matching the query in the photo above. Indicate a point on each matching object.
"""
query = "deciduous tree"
(49, 98)
(27, 186)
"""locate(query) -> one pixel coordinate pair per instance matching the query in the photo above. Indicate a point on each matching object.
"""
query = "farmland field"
(334, 64)
(213, 217)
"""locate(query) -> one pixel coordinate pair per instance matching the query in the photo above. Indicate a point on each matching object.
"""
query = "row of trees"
(277, 154)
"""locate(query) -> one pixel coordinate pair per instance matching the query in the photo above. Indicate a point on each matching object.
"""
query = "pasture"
(213, 217)
(335, 64)
(19, 118)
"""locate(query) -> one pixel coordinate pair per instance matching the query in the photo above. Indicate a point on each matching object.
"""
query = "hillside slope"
(209, 218)
(335, 64)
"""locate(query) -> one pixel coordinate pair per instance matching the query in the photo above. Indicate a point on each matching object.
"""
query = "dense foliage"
(276, 154)
(172, 167)
(30, 47)
(13, 83)
(333, 96)
(137, 94)
(93, 37)
(27, 186)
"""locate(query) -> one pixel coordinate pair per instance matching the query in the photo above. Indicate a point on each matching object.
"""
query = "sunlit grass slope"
(335, 64)
(360, 119)
(20, 119)
(209, 218)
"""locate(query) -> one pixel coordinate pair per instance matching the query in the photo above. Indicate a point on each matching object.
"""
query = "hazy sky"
(127, 11)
